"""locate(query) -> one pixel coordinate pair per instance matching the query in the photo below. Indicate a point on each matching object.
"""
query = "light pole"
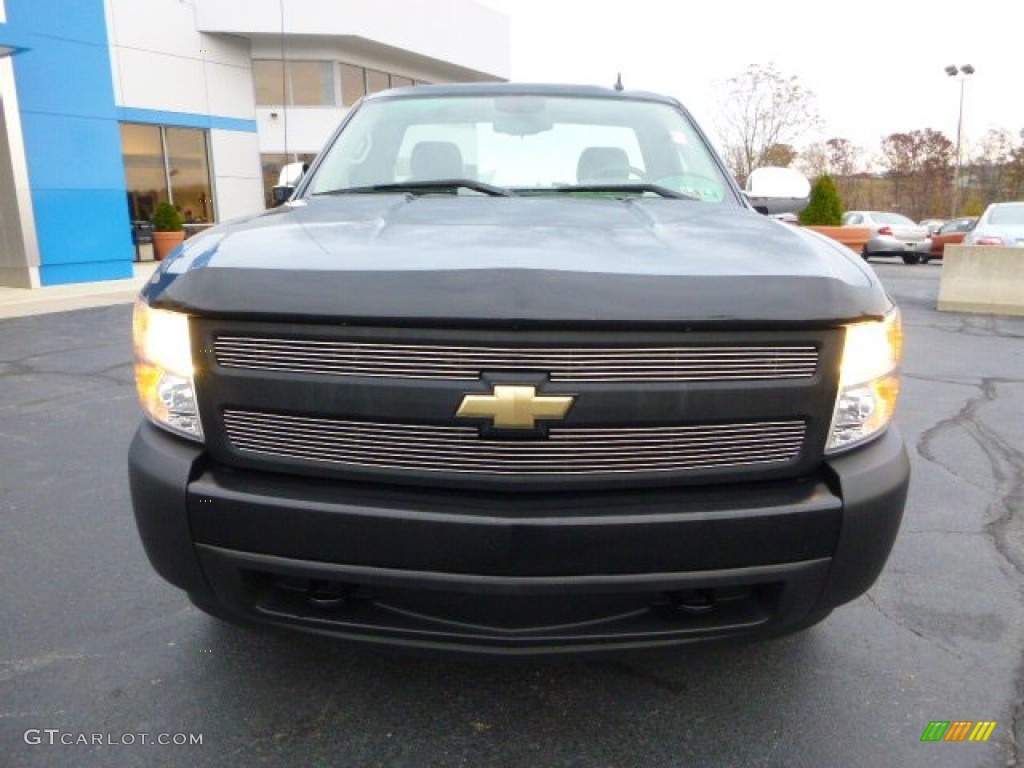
(964, 71)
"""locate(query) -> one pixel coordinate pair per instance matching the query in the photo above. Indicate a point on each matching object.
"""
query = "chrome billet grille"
(456, 449)
(434, 361)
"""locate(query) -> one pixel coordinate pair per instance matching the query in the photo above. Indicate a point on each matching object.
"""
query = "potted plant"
(168, 231)
(824, 214)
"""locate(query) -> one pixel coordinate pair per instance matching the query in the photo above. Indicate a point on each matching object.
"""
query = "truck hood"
(462, 260)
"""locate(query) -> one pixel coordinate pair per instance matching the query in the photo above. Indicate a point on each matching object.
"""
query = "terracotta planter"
(165, 242)
(854, 238)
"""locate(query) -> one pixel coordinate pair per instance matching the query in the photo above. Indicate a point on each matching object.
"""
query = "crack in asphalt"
(1005, 461)
(643, 675)
(12, 669)
(939, 530)
(964, 382)
(1007, 466)
(303, 728)
(35, 713)
(65, 398)
(100, 378)
(65, 350)
(902, 625)
(103, 375)
(968, 325)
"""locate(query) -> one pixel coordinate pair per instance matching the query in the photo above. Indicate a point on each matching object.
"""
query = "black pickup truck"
(518, 370)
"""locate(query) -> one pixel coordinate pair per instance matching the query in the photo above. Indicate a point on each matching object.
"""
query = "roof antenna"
(618, 83)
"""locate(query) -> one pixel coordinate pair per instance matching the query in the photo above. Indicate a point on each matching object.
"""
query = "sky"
(875, 67)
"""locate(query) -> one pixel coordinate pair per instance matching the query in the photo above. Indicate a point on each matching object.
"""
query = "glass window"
(272, 165)
(189, 170)
(894, 219)
(311, 83)
(1006, 213)
(528, 142)
(268, 77)
(180, 177)
(377, 81)
(353, 84)
(144, 169)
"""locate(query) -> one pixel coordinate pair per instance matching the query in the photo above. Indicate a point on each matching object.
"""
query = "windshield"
(894, 219)
(521, 142)
(1007, 214)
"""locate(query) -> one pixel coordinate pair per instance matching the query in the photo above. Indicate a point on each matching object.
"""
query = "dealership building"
(110, 107)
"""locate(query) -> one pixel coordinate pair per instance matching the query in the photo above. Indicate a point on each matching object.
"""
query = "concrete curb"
(982, 279)
(23, 302)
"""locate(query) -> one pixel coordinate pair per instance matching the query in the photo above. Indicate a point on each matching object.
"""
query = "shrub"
(825, 207)
(167, 219)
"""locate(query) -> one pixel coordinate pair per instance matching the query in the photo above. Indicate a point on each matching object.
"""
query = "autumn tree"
(843, 156)
(838, 157)
(920, 164)
(813, 160)
(762, 111)
(991, 166)
(1015, 171)
(937, 158)
(779, 155)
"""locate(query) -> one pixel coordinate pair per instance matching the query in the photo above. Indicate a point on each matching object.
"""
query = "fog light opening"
(693, 601)
(324, 594)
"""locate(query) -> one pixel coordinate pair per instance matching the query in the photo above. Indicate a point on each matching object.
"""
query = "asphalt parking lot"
(92, 642)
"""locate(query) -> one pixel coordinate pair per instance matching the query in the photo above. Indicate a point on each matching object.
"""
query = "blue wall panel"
(66, 149)
(185, 119)
(72, 139)
(67, 73)
(87, 226)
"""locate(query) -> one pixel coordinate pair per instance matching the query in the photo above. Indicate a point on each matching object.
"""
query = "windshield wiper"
(635, 189)
(425, 186)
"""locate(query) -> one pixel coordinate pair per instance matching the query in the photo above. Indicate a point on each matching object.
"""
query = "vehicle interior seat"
(599, 164)
(436, 160)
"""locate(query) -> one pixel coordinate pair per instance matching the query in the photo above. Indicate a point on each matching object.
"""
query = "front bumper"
(517, 573)
(893, 246)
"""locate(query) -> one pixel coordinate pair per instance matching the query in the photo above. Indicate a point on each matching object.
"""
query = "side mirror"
(281, 194)
(778, 190)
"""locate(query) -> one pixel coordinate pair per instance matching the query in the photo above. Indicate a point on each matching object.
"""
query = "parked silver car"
(1000, 224)
(893, 234)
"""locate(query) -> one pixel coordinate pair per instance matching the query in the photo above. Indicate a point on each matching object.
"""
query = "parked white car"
(893, 235)
(1000, 224)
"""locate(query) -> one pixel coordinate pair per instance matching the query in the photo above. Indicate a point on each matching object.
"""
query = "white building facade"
(110, 107)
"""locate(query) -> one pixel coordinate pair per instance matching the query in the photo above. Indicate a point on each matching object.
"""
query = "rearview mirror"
(778, 190)
(281, 194)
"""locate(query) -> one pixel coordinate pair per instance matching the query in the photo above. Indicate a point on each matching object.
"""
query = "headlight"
(869, 382)
(163, 370)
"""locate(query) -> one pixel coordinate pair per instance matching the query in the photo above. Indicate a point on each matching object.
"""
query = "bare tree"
(813, 160)
(920, 166)
(843, 156)
(990, 165)
(936, 153)
(763, 109)
(1015, 171)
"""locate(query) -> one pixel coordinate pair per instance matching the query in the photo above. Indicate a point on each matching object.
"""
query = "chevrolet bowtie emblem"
(512, 407)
